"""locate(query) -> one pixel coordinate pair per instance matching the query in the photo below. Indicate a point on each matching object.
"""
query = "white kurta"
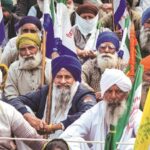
(92, 126)
(12, 122)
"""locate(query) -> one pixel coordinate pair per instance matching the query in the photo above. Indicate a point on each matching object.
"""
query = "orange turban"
(146, 63)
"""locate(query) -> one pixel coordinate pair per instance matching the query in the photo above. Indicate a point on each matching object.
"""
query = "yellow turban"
(28, 39)
(146, 63)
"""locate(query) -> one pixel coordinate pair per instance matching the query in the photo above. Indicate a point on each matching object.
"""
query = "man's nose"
(113, 95)
(63, 81)
(106, 49)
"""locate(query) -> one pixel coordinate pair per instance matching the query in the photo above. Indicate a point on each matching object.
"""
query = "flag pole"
(43, 57)
(113, 23)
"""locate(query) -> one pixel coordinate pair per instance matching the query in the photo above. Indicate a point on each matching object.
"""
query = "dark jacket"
(82, 101)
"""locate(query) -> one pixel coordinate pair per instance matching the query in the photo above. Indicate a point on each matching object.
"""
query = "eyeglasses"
(103, 47)
(29, 30)
(24, 49)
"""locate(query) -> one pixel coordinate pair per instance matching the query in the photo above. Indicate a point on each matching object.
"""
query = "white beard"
(107, 60)
(114, 111)
(29, 63)
(145, 39)
(62, 97)
(62, 101)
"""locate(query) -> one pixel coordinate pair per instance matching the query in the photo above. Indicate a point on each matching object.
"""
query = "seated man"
(146, 79)
(27, 24)
(85, 31)
(94, 124)
(107, 47)
(69, 98)
(24, 75)
(12, 122)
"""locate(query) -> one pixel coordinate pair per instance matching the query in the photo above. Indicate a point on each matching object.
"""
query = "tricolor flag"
(2, 27)
(143, 136)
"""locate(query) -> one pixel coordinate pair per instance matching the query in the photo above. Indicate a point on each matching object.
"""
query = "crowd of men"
(78, 97)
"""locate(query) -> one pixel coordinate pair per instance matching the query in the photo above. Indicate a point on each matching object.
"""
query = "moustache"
(63, 86)
(28, 57)
(106, 55)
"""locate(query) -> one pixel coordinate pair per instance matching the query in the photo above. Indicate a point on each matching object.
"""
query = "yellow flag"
(143, 136)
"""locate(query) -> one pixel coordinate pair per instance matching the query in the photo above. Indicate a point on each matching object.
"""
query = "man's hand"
(86, 53)
(36, 123)
(51, 128)
(98, 96)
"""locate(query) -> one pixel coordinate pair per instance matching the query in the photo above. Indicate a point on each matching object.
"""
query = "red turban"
(146, 63)
(87, 8)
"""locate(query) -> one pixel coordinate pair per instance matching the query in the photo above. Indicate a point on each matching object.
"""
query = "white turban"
(114, 76)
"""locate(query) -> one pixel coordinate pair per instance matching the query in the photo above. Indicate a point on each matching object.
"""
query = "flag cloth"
(143, 136)
(122, 22)
(134, 98)
(63, 30)
(135, 53)
(2, 27)
(48, 27)
(110, 144)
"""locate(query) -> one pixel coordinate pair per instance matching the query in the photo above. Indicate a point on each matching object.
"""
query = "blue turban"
(108, 37)
(29, 19)
(145, 15)
(70, 63)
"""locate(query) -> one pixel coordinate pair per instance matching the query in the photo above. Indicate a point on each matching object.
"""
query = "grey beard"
(114, 111)
(106, 60)
(145, 39)
(29, 63)
(62, 98)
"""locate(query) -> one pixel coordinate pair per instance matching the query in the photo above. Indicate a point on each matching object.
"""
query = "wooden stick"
(49, 106)
(43, 58)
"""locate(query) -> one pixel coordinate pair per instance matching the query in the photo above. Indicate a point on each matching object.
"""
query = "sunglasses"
(29, 30)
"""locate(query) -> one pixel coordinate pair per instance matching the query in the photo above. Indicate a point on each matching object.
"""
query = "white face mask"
(41, 5)
(86, 26)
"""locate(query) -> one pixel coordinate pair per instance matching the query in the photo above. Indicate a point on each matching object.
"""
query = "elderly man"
(12, 122)
(115, 86)
(69, 98)
(146, 79)
(107, 47)
(85, 31)
(145, 33)
(24, 75)
(28, 24)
